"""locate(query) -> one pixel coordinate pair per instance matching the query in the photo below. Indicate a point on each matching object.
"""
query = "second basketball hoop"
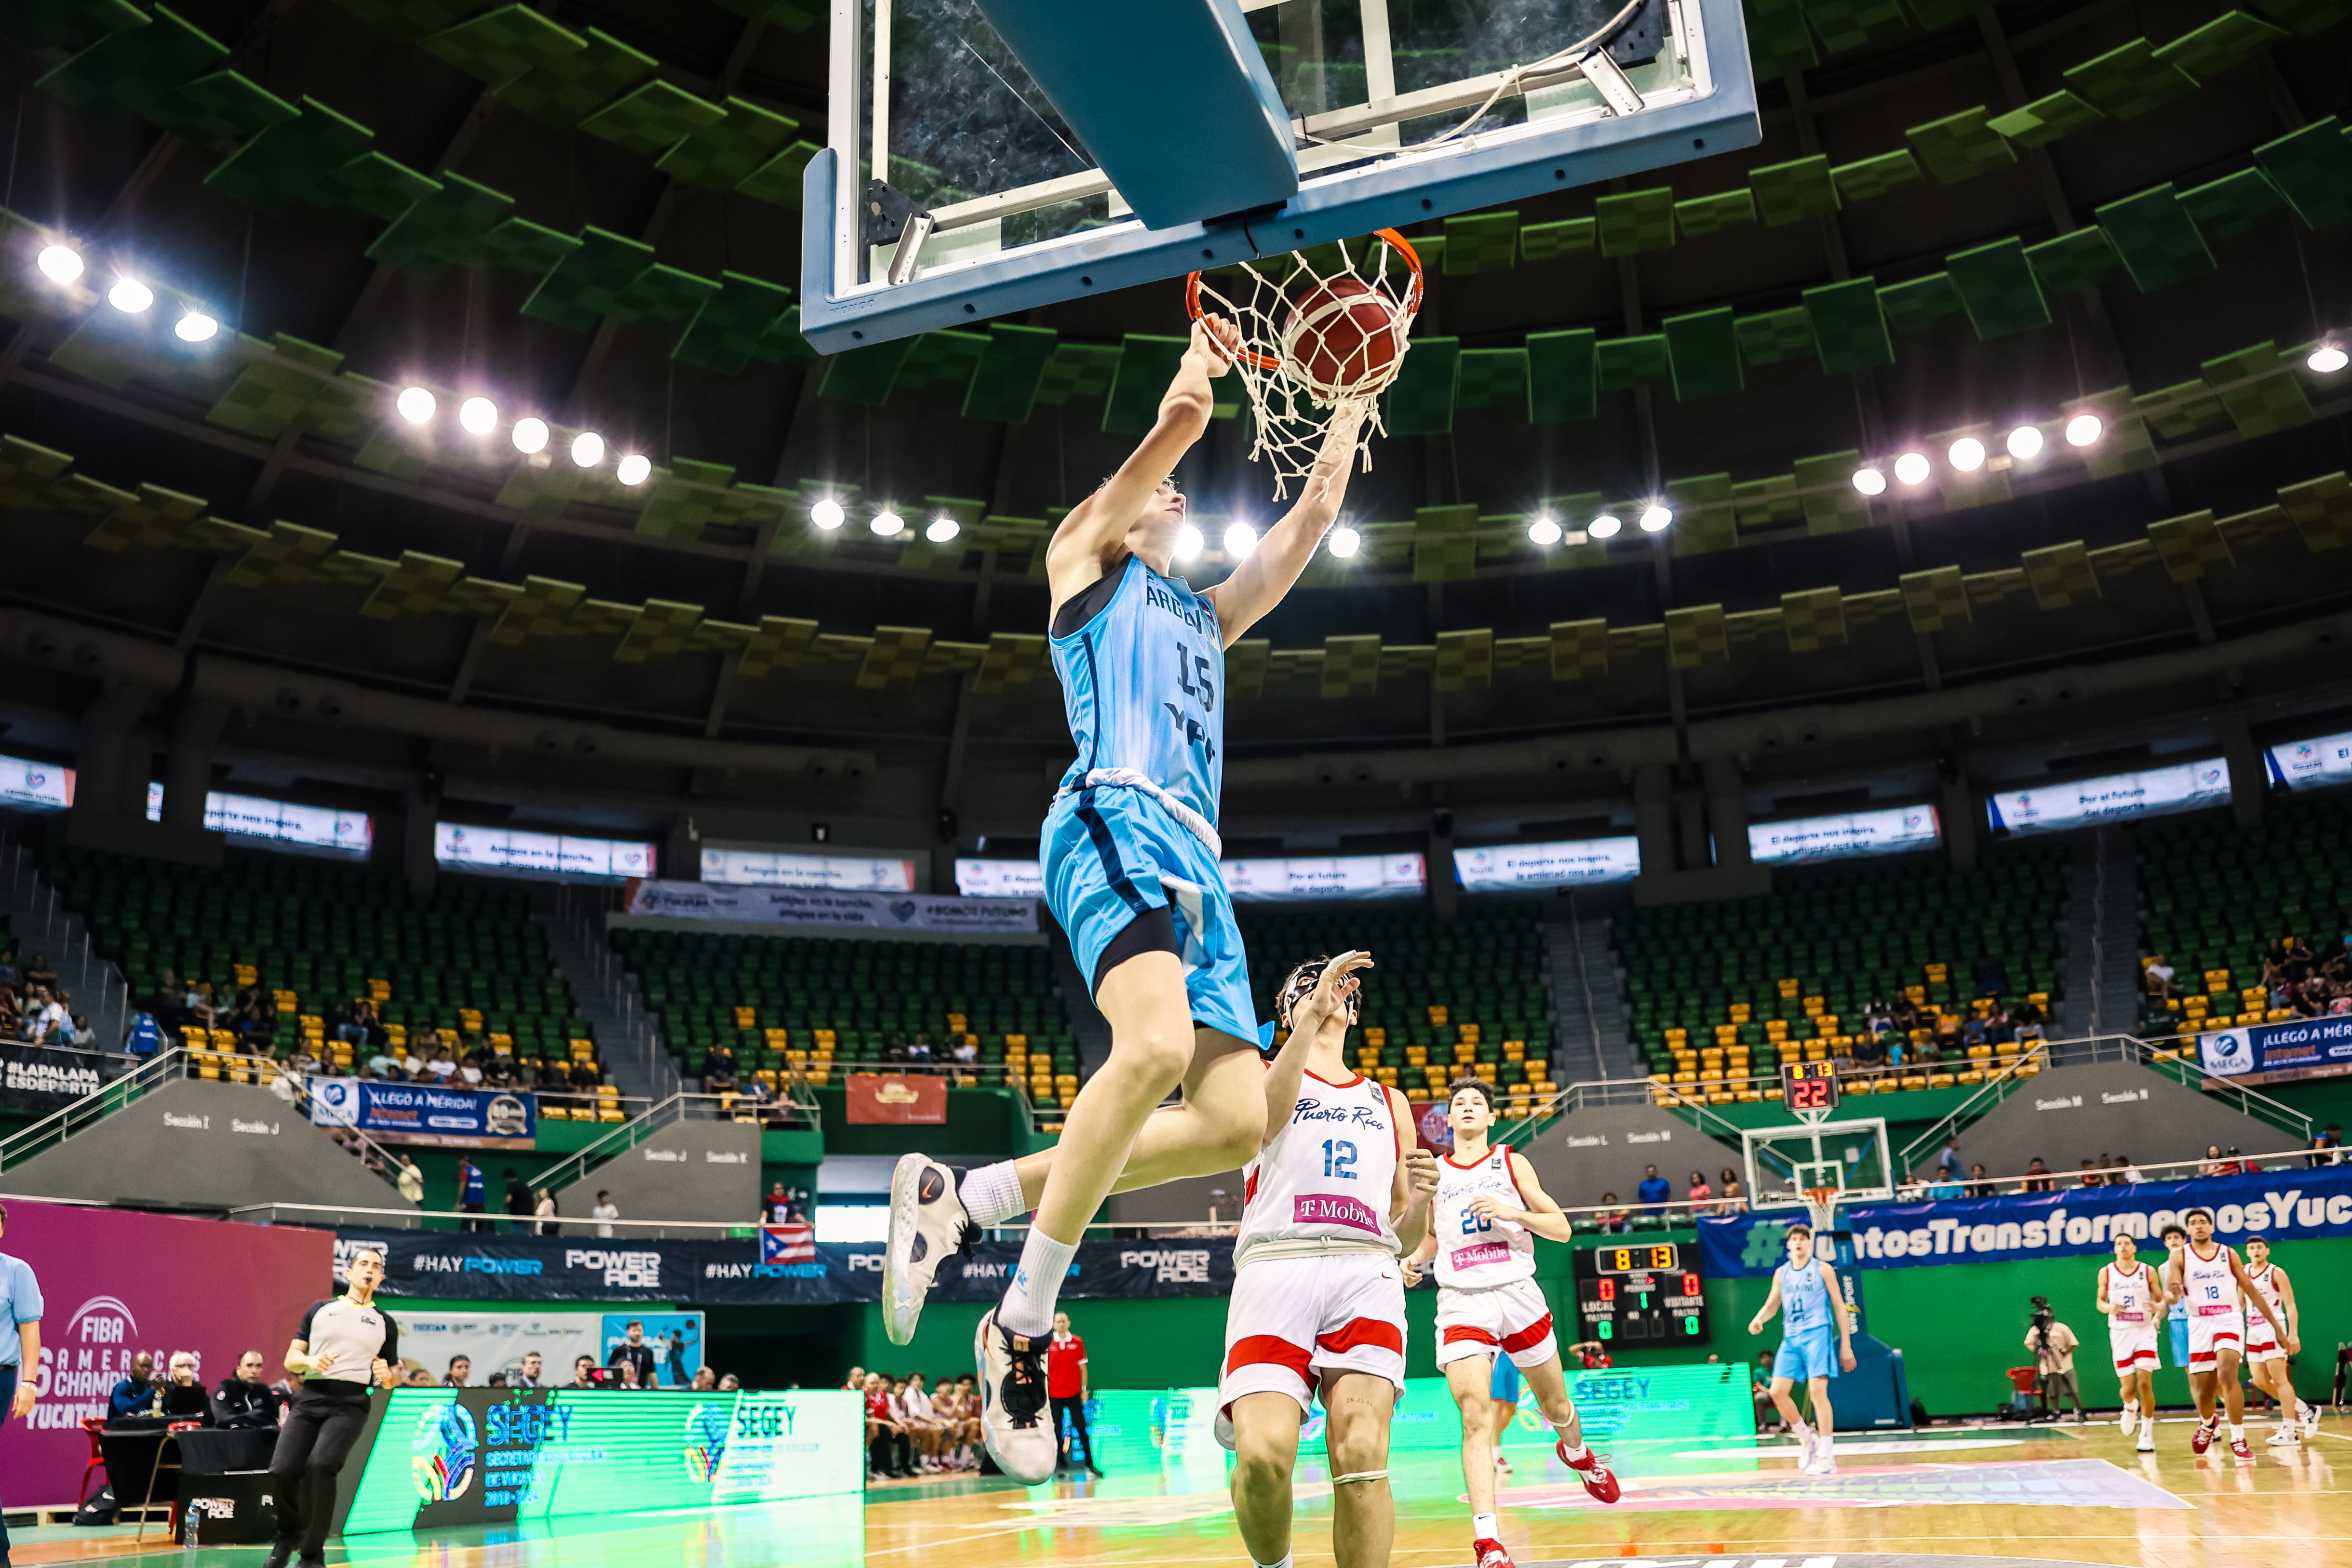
(1315, 336)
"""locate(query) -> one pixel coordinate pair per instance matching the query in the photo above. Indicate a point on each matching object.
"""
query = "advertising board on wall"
(1324, 877)
(1896, 831)
(426, 1113)
(2152, 793)
(49, 1078)
(822, 906)
(1575, 862)
(2276, 1052)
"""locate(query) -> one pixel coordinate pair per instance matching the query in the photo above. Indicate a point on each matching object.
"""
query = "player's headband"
(1300, 983)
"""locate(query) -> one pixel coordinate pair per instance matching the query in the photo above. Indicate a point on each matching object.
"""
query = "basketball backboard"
(1852, 1157)
(953, 188)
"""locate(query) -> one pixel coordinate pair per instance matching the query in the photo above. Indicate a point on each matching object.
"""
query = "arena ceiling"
(1957, 223)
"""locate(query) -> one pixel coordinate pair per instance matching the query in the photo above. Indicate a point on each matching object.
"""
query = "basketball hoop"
(1821, 1203)
(1312, 342)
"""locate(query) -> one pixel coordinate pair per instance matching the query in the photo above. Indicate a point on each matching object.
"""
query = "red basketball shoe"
(1492, 1555)
(2202, 1438)
(1592, 1470)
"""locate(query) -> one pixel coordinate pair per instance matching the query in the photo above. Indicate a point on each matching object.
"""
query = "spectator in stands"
(418, 1377)
(1730, 1196)
(2091, 1175)
(1699, 1192)
(1992, 976)
(2235, 1163)
(384, 1065)
(39, 972)
(461, 1368)
(967, 1051)
(883, 1434)
(302, 1063)
(2158, 974)
(532, 1374)
(1912, 1188)
(2211, 1164)
(519, 1204)
(2038, 1178)
(136, 1396)
(44, 1016)
(472, 1194)
(499, 1071)
(543, 1206)
(1593, 1354)
(776, 1208)
(1761, 1386)
(918, 1052)
(12, 1016)
(2026, 1019)
(1945, 1185)
(409, 1180)
(1611, 1218)
(1974, 1031)
(718, 1068)
(1878, 1018)
(469, 1071)
(705, 1381)
(581, 1367)
(633, 1352)
(1870, 1052)
(184, 1398)
(728, 1383)
(243, 1401)
(2326, 1146)
(1979, 1184)
(605, 1213)
(496, 1380)
(2125, 1174)
(10, 975)
(585, 1078)
(1655, 1190)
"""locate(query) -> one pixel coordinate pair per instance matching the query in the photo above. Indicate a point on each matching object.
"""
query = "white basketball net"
(1290, 406)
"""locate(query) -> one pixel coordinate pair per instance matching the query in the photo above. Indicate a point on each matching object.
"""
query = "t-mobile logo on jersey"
(1484, 1252)
(1332, 1208)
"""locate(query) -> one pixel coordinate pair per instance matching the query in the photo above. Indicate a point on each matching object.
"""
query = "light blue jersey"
(1144, 684)
(1808, 1349)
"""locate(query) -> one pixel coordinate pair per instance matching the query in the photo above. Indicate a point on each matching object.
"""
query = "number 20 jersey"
(1143, 684)
(1474, 1254)
(1323, 1183)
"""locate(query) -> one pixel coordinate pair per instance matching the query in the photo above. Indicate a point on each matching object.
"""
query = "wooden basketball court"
(2064, 1494)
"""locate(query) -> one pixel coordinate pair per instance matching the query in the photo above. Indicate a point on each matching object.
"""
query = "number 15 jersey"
(1323, 1184)
(1143, 684)
(1474, 1254)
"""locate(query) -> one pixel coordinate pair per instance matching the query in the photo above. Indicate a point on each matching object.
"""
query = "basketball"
(1343, 340)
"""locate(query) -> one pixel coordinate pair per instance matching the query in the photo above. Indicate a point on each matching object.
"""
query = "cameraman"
(2053, 1344)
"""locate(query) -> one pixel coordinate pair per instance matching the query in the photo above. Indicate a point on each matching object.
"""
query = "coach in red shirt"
(1066, 1386)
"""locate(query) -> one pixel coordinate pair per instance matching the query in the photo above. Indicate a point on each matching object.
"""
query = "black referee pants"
(312, 1445)
(1077, 1410)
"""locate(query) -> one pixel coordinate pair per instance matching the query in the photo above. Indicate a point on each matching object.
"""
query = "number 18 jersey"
(1143, 686)
(1474, 1254)
(1323, 1184)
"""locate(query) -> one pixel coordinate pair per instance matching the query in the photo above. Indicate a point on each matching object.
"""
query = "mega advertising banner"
(425, 1114)
(829, 906)
(115, 1283)
(2283, 1206)
(434, 1457)
(2274, 1052)
(749, 1270)
(46, 1078)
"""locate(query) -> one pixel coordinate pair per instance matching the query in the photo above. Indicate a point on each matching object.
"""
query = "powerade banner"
(823, 906)
(450, 1266)
(2266, 1053)
(46, 1078)
(440, 1457)
(424, 1114)
(2285, 1207)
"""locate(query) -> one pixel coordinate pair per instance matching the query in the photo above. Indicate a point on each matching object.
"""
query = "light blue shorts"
(1804, 1357)
(1504, 1388)
(1111, 854)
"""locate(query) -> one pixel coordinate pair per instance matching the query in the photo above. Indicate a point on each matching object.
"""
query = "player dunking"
(1336, 1194)
(2131, 1297)
(1130, 862)
(1489, 1211)
(2264, 1359)
(1806, 1287)
(2213, 1284)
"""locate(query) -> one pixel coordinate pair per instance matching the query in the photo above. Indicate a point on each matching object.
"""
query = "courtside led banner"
(1580, 863)
(2284, 1206)
(2046, 808)
(1887, 832)
(439, 1456)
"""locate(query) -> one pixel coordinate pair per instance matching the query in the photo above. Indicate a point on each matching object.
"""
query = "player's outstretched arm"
(1257, 585)
(1332, 989)
(1541, 1215)
(1089, 539)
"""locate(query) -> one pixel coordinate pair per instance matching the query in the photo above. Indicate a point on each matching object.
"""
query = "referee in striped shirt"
(345, 1343)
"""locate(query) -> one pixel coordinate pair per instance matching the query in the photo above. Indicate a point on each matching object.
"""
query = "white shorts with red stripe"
(1512, 1318)
(2133, 1346)
(1293, 1320)
(2210, 1334)
(2261, 1342)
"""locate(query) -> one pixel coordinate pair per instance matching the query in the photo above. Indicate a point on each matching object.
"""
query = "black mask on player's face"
(1301, 985)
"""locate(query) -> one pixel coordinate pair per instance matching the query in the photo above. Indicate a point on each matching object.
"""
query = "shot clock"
(1809, 1086)
(1640, 1294)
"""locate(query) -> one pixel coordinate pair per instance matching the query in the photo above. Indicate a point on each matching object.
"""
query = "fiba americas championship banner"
(778, 1265)
(2284, 1207)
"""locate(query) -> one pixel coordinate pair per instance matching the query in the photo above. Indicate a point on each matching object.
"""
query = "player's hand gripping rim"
(1218, 342)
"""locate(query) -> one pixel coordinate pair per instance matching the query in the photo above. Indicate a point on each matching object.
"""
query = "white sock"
(1028, 1307)
(1800, 1429)
(992, 1194)
(2237, 1433)
(1284, 1564)
(1574, 1452)
(1484, 1527)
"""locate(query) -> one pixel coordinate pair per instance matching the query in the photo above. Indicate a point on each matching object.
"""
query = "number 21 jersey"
(1143, 684)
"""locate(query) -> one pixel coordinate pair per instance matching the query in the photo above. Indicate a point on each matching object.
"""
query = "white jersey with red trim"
(1323, 1184)
(2209, 1285)
(1474, 1254)
(2260, 1335)
(2133, 1297)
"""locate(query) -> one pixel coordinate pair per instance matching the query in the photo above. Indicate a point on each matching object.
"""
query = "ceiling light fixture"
(195, 326)
(1657, 519)
(885, 523)
(1240, 539)
(2084, 429)
(477, 415)
(1188, 542)
(943, 528)
(530, 435)
(635, 469)
(827, 514)
(58, 263)
(1345, 541)
(1911, 469)
(1603, 526)
(2328, 358)
(587, 449)
(1869, 481)
(415, 404)
(130, 295)
(1967, 455)
(1544, 531)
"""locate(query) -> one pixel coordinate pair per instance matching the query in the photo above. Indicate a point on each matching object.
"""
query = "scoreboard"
(1640, 1294)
